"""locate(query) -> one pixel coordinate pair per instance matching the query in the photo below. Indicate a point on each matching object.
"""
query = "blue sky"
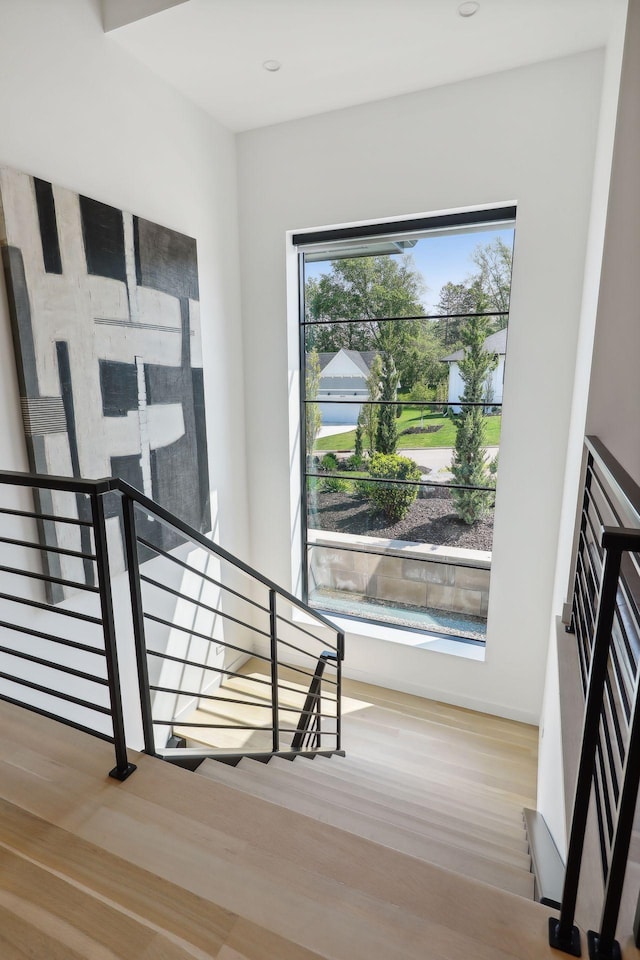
(439, 259)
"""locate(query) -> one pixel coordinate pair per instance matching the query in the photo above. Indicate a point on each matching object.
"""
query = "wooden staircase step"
(378, 779)
(486, 765)
(507, 877)
(492, 803)
(418, 809)
(401, 755)
(363, 802)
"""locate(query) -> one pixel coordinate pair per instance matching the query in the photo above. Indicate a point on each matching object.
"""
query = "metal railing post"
(339, 691)
(563, 934)
(275, 706)
(137, 615)
(123, 768)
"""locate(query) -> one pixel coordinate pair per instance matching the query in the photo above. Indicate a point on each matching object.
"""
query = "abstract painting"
(105, 317)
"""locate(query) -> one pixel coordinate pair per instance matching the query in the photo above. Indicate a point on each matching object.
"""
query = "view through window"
(403, 344)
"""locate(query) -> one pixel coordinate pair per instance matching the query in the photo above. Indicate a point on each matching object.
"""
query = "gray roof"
(495, 343)
(362, 359)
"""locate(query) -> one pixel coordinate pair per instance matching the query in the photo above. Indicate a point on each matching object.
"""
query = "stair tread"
(419, 807)
(199, 835)
(374, 777)
(508, 877)
(345, 799)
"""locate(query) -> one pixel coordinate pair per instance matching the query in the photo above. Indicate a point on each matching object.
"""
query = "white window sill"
(409, 638)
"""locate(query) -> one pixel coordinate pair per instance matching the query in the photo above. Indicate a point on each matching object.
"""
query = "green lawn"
(413, 417)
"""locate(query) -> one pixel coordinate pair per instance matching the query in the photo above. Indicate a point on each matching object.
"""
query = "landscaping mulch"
(429, 520)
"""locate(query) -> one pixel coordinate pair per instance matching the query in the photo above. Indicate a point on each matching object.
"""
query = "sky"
(440, 259)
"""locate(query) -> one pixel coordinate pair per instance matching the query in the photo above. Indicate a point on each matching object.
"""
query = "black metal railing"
(226, 659)
(54, 554)
(606, 622)
(225, 612)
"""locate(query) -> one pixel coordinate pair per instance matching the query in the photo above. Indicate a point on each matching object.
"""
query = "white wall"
(76, 110)
(551, 799)
(528, 136)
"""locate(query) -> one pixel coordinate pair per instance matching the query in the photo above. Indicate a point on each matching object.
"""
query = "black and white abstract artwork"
(106, 324)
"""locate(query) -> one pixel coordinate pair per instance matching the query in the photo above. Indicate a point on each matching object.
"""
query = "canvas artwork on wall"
(105, 313)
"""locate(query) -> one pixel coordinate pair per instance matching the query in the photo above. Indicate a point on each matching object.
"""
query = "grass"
(413, 417)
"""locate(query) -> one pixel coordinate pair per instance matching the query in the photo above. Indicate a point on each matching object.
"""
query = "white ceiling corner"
(340, 53)
(118, 13)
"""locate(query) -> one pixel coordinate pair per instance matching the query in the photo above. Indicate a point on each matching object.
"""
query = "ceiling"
(338, 53)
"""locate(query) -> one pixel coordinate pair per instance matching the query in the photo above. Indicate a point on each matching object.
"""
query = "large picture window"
(403, 333)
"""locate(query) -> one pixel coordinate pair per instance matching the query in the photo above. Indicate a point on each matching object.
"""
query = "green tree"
(369, 412)
(387, 429)
(469, 466)
(312, 410)
(364, 291)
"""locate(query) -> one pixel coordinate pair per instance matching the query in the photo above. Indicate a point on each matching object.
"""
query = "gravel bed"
(429, 520)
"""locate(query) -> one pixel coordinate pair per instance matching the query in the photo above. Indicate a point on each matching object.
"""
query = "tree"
(469, 466)
(364, 291)
(312, 410)
(387, 429)
(368, 417)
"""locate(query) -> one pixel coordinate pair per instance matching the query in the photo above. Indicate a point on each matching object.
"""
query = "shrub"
(394, 499)
(329, 462)
(334, 485)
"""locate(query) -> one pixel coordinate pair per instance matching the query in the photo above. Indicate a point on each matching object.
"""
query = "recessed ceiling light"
(468, 8)
(272, 65)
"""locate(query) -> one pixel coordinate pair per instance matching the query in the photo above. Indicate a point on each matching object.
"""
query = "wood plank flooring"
(170, 865)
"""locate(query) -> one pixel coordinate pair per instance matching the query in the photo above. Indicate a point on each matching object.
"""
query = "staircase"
(170, 865)
(429, 781)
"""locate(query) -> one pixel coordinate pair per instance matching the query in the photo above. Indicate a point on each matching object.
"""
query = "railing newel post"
(137, 615)
(275, 697)
(123, 768)
(563, 934)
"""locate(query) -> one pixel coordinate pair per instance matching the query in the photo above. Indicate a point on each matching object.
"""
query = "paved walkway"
(437, 460)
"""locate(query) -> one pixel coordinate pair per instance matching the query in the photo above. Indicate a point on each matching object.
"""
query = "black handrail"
(619, 496)
(313, 703)
(132, 501)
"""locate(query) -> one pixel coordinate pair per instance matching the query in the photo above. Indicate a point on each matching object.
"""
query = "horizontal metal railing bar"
(615, 707)
(620, 538)
(624, 684)
(404, 483)
(376, 553)
(205, 606)
(41, 576)
(59, 719)
(291, 623)
(293, 646)
(52, 609)
(45, 516)
(600, 496)
(404, 403)
(224, 672)
(210, 726)
(418, 316)
(67, 697)
(216, 549)
(75, 644)
(228, 726)
(595, 529)
(608, 759)
(609, 710)
(604, 792)
(53, 482)
(626, 488)
(620, 645)
(304, 673)
(45, 549)
(209, 696)
(61, 668)
(205, 666)
(205, 576)
(204, 636)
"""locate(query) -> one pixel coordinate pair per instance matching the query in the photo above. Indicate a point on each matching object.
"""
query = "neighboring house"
(343, 377)
(495, 343)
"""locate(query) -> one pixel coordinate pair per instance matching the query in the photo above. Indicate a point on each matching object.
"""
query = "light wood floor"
(170, 865)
